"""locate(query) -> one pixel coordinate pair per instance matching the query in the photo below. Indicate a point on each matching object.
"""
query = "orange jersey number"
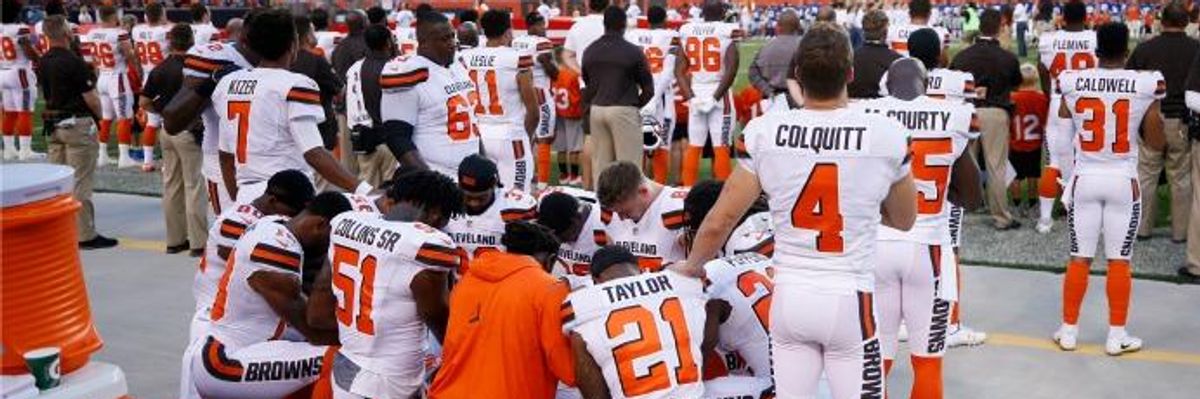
(240, 110)
(817, 208)
(1078, 61)
(343, 258)
(655, 57)
(9, 48)
(148, 53)
(748, 283)
(218, 306)
(1096, 122)
(704, 55)
(938, 174)
(458, 119)
(494, 106)
(648, 344)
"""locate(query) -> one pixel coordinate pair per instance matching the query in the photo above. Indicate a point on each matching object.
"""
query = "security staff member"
(873, 58)
(71, 103)
(183, 197)
(363, 93)
(769, 71)
(310, 63)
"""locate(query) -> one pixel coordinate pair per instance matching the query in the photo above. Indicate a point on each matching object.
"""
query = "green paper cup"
(43, 364)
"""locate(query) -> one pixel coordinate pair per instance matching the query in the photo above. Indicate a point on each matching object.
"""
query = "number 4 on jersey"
(817, 208)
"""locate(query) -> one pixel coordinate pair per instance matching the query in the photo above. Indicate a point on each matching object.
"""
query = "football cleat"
(1065, 337)
(10, 154)
(964, 336)
(29, 155)
(1044, 225)
(1120, 343)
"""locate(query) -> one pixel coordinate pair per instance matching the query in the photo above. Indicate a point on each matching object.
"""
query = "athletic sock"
(26, 143)
(543, 163)
(1048, 190)
(122, 151)
(104, 129)
(691, 165)
(125, 131)
(24, 125)
(1074, 287)
(1118, 284)
(9, 125)
(9, 143)
(722, 166)
(661, 161)
(147, 154)
(927, 377)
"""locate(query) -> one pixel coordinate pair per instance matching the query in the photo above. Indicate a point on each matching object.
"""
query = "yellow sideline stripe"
(994, 339)
(1150, 355)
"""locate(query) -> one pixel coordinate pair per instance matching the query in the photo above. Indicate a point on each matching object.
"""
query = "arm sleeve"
(555, 344)
(401, 100)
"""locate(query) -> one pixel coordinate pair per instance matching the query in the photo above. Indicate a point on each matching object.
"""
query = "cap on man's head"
(476, 174)
(610, 255)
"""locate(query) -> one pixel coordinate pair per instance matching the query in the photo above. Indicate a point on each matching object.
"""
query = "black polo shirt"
(314, 66)
(64, 77)
(164, 81)
(871, 61)
(614, 69)
(1165, 54)
(993, 67)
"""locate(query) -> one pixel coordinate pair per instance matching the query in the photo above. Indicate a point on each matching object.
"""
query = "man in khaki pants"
(184, 196)
(71, 102)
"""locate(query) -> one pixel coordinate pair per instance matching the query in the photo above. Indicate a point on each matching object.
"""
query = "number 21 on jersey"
(649, 343)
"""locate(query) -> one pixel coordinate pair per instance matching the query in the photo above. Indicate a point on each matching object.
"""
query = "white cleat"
(31, 156)
(1122, 343)
(103, 160)
(10, 154)
(1044, 225)
(126, 162)
(1065, 337)
(964, 336)
(902, 333)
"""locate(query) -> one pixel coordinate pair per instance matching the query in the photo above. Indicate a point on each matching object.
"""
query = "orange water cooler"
(43, 299)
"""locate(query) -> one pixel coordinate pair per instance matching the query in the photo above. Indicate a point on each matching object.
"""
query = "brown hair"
(618, 182)
(823, 61)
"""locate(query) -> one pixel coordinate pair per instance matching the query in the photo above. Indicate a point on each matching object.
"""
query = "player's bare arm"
(322, 304)
(529, 99)
(397, 136)
(430, 292)
(966, 189)
(323, 162)
(589, 378)
(228, 170)
(682, 78)
(716, 312)
(732, 59)
(282, 292)
(126, 49)
(1152, 127)
(1044, 77)
(898, 209)
(570, 61)
(645, 84)
(740, 192)
(31, 53)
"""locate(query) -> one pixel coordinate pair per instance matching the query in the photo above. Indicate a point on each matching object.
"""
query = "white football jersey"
(1107, 107)
(498, 96)
(744, 281)
(898, 36)
(576, 257)
(105, 47)
(223, 235)
(476, 234)
(534, 47)
(11, 55)
(151, 45)
(259, 110)
(656, 44)
(644, 332)
(327, 41)
(406, 40)
(826, 172)
(654, 239)
(755, 234)
(940, 133)
(436, 101)
(205, 34)
(363, 203)
(373, 263)
(951, 85)
(1061, 50)
(201, 61)
(240, 316)
(704, 44)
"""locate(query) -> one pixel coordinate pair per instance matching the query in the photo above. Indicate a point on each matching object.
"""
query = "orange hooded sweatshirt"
(504, 338)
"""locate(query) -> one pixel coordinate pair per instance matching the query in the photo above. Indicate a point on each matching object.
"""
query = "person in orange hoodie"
(504, 338)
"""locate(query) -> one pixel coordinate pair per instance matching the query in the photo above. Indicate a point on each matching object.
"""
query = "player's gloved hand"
(209, 85)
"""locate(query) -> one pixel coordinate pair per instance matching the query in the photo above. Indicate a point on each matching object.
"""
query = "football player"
(650, 217)
(579, 223)
(1106, 106)
(1072, 48)
(832, 175)
(260, 295)
(661, 47)
(203, 66)
(754, 233)
(406, 39)
(387, 285)
(711, 48)
(738, 319)
(505, 99)
(269, 115)
(909, 283)
(327, 39)
(488, 207)
(202, 28)
(112, 53)
(918, 18)
(18, 83)
(428, 115)
(629, 318)
(151, 45)
(536, 45)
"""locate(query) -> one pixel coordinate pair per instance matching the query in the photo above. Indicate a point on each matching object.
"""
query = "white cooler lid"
(24, 183)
